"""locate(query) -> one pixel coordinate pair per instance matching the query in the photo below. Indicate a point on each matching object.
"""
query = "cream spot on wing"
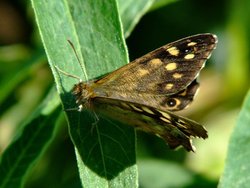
(166, 115)
(189, 56)
(182, 124)
(165, 119)
(146, 109)
(155, 62)
(169, 86)
(135, 108)
(184, 93)
(171, 66)
(192, 44)
(125, 105)
(142, 72)
(177, 75)
(173, 51)
(178, 102)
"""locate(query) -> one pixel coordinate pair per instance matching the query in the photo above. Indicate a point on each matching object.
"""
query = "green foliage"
(237, 167)
(30, 142)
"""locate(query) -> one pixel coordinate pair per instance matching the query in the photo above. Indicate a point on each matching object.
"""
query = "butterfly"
(146, 92)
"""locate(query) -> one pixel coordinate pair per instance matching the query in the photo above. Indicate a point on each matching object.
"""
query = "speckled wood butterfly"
(144, 92)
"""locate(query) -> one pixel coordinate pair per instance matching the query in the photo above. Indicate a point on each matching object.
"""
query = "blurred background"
(25, 80)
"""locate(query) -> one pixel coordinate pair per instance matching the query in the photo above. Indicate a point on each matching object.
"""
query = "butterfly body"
(144, 92)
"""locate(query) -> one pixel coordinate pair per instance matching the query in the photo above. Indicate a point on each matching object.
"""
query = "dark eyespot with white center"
(171, 102)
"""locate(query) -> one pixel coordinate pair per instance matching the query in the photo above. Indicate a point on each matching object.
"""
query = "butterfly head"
(82, 93)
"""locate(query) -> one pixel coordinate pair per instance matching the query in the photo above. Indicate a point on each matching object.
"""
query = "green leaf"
(159, 173)
(30, 143)
(160, 3)
(237, 168)
(10, 82)
(105, 150)
(131, 12)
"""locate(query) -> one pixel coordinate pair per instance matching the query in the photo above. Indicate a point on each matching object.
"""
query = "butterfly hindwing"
(175, 130)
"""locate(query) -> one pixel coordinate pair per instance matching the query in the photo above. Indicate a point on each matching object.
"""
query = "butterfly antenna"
(78, 59)
(68, 74)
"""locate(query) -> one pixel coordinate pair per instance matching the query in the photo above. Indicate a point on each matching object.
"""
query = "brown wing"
(154, 78)
(175, 130)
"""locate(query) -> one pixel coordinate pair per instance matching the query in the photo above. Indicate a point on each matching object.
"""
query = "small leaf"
(30, 143)
(10, 82)
(237, 168)
(131, 12)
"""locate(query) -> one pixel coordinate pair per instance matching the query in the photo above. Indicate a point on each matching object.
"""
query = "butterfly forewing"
(151, 79)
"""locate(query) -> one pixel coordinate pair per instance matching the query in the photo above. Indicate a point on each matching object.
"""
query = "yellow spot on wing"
(189, 56)
(192, 43)
(166, 115)
(173, 51)
(169, 86)
(142, 72)
(171, 66)
(146, 109)
(155, 62)
(165, 119)
(125, 105)
(135, 108)
(183, 93)
(177, 75)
